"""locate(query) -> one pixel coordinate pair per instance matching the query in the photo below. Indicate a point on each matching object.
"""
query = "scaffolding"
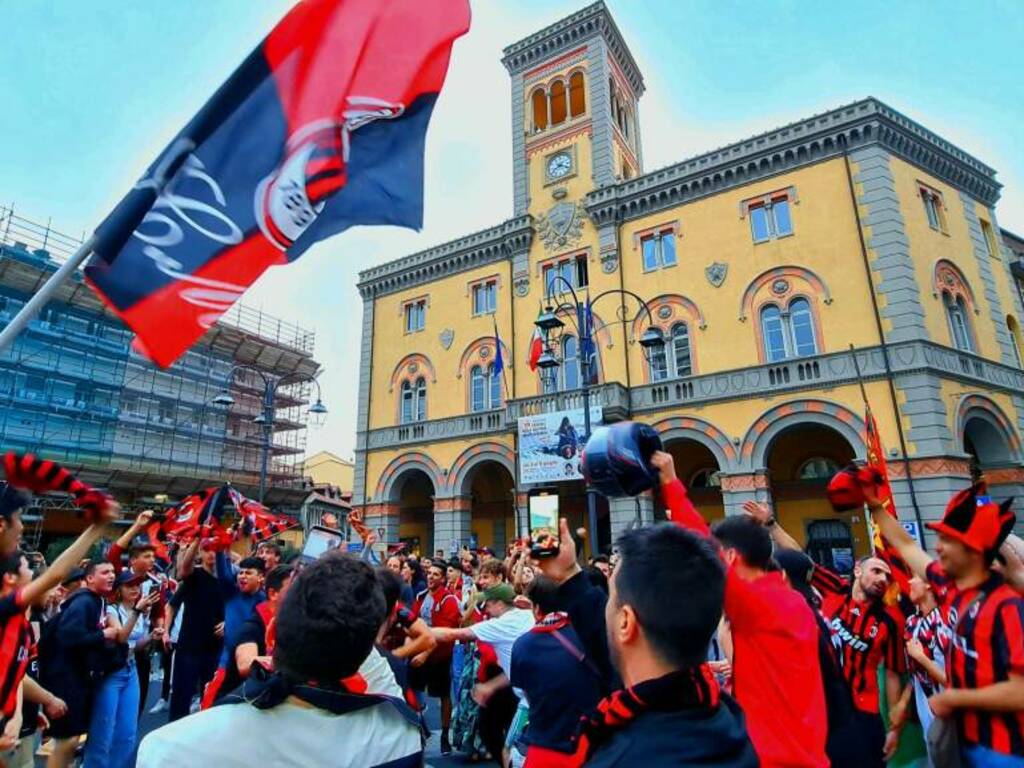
(73, 389)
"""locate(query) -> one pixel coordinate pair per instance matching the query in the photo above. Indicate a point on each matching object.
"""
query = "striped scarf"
(690, 688)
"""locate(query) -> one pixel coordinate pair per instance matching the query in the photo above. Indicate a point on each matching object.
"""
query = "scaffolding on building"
(73, 389)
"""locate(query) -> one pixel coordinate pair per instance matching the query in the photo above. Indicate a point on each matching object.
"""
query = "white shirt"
(379, 678)
(503, 632)
(285, 736)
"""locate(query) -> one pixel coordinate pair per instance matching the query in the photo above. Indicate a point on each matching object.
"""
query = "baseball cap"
(76, 574)
(977, 522)
(503, 592)
(127, 577)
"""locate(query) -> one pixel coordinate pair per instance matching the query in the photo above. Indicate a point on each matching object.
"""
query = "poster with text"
(550, 445)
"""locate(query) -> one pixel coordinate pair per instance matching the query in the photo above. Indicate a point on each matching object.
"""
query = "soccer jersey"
(933, 634)
(15, 648)
(986, 647)
(865, 635)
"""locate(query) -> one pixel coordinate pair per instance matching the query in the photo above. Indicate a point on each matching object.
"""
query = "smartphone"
(320, 541)
(544, 525)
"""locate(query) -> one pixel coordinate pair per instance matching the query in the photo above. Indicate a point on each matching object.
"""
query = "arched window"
(577, 99)
(802, 323)
(672, 360)
(709, 477)
(557, 102)
(407, 402)
(681, 360)
(421, 399)
(570, 364)
(788, 333)
(1014, 330)
(477, 391)
(494, 386)
(774, 334)
(959, 328)
(540, 109)
(817, 468)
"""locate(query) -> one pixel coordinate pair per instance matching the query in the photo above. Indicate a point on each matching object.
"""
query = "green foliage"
(57, 546)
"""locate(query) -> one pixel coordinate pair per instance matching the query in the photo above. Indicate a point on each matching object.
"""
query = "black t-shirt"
(201, 595)
(559, 687)
(253, 631)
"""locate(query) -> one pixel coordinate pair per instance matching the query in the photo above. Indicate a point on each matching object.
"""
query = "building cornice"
(487, 246)
(801, 143)
(567, 33)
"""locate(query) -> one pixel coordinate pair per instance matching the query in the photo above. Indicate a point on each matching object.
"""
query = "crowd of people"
(689, 645)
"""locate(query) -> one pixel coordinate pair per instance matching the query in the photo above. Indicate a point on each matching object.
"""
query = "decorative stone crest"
(485, 352)
(447, 337)
(609, 262)
(521, 283)
(562, 225)
(716, 272)
(780, 287)
(664, 312)
(413, 367)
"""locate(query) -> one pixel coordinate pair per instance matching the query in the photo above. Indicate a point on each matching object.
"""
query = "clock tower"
(575, 124)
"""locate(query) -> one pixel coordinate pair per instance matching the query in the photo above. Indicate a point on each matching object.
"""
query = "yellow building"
(324, 468)
(762, 262)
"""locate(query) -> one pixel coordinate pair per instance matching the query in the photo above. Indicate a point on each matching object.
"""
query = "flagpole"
(35, 305)
(497, 343)
(860, 380)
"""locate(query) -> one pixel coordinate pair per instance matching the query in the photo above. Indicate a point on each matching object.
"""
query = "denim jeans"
(976, 756)
(114, 725)
(458, 659)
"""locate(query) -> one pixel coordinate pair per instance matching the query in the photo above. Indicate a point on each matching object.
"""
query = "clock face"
(559, 165)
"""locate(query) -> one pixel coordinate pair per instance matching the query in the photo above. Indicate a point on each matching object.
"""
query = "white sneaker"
(160, 706)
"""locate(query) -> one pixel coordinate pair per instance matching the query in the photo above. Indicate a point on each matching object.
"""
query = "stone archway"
(800, 459)
(699, 469)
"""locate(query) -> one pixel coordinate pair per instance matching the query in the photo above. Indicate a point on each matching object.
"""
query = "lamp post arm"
(644, 307)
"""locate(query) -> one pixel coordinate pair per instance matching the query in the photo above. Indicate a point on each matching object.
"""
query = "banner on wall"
(550, 445)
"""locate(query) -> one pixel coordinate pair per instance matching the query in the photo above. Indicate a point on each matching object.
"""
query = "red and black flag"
(876, 460)
(260, 523)
(31, 473)
(321, 128)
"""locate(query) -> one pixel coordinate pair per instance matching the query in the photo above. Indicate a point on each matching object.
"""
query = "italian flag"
(536, 347)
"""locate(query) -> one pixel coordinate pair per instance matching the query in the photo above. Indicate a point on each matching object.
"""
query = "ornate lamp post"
(580, 315)
(265, 419)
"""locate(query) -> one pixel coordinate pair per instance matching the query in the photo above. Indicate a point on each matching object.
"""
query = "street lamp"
(265, 419)
(651, 341)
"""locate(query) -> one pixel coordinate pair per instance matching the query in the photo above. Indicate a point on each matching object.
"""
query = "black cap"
(76, 574)
(127, 577)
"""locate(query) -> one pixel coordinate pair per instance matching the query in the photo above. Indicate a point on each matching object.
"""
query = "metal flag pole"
(44, 294)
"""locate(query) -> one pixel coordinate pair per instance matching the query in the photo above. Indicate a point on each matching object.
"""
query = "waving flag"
(876, 459)
(321, 128)
(535, 349)
(258, 522)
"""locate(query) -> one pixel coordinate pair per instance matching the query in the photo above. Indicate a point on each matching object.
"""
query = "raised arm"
(35, 592)
(896, 534)
(124, 541)
(680, 509)
(187, 559)
(763, 514)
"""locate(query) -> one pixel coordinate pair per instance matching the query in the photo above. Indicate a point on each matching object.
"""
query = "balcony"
(484, 423)
(613, 399)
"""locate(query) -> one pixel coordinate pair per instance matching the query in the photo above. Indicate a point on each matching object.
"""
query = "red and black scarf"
(684, 689)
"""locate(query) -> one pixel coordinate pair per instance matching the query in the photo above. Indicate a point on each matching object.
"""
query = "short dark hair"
(657, 565)
(440, 566)
(91, 566)
(596, 578)
(270, 544)
(543, 593)
(599, 559)
(11, 500)
(140, 548)
(11, 565)
(252, 563)
(391, 584)
(277, 577)
(335, 603)
(494, 567)
(748, 537)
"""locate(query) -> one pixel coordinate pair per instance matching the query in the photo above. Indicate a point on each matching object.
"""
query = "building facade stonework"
(784, 270)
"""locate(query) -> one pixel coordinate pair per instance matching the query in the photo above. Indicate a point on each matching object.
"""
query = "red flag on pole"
(876, 460)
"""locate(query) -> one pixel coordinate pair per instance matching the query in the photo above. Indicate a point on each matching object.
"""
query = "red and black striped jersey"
(986, 647)
(15, 646)
(865, 634)
(933, 634)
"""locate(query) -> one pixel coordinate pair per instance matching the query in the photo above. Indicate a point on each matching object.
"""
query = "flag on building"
(587, 349)
(535, 350)
(876, 459)
(321, 128)
(499, 358)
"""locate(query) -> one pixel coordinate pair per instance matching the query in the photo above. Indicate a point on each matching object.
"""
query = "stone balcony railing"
(820, 371)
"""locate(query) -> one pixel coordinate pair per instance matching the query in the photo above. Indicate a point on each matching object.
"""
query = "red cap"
(845, 489)
(976, 521)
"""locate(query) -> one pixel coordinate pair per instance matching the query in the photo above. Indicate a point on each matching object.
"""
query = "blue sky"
(92, 90)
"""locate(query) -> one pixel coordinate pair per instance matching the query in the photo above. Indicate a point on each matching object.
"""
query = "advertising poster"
(550, 445)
